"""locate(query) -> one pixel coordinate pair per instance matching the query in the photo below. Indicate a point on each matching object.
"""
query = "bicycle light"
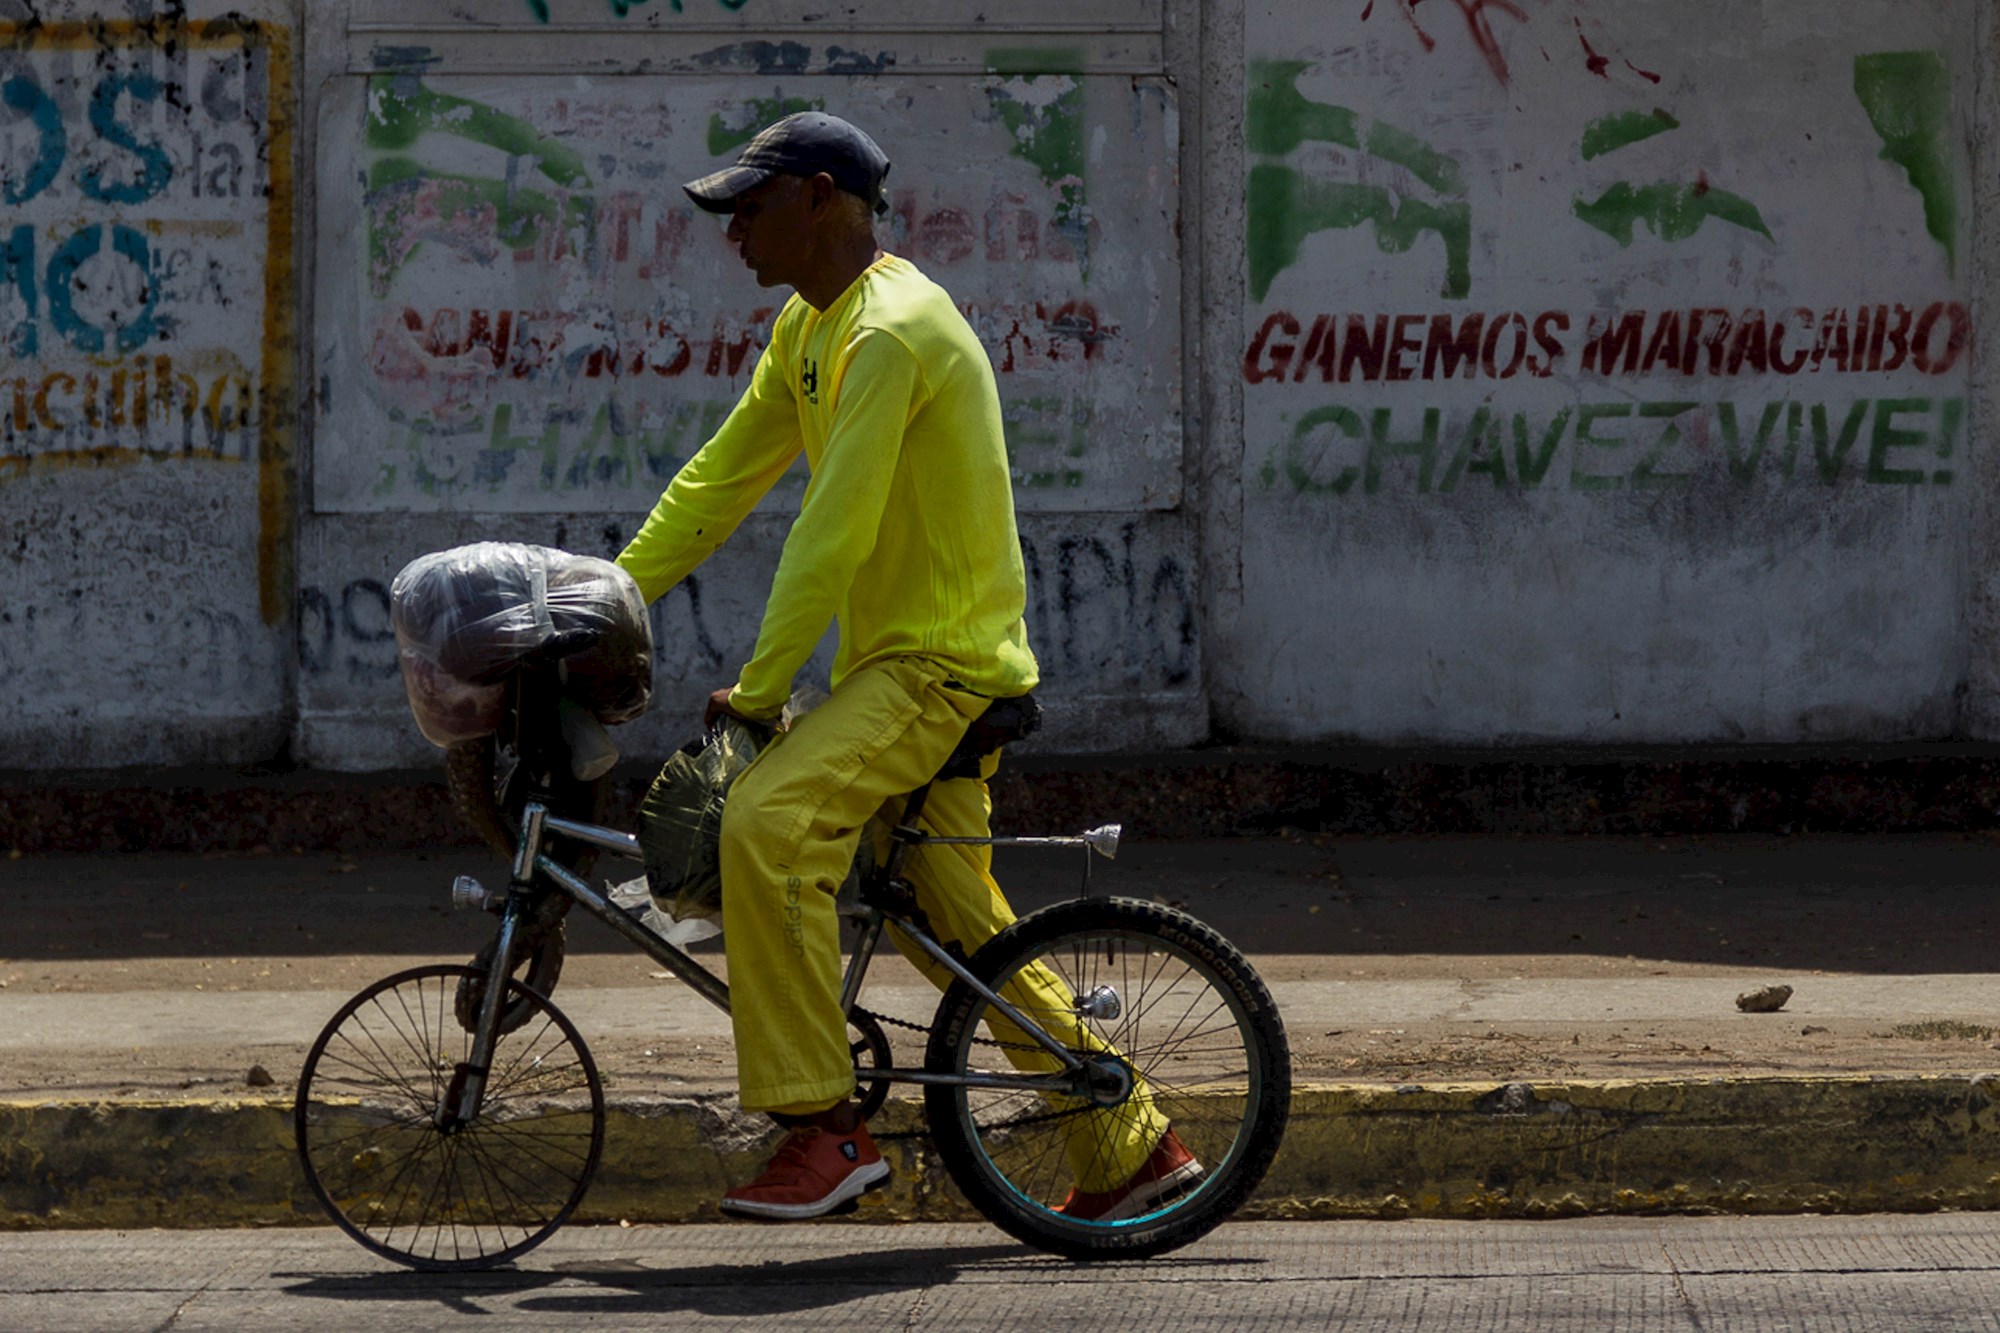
(1104, 840)
(469, 892)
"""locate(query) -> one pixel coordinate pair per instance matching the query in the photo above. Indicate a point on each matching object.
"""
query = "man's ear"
(821, 191)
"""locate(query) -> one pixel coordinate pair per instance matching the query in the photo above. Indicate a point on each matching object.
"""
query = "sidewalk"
(1478, 1025)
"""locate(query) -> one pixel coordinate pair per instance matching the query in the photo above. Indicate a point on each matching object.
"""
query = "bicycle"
(449, 1123)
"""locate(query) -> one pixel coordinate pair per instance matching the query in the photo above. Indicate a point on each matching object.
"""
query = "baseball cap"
(799, 145)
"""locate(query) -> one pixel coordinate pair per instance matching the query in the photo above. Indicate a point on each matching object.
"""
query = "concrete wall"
(148, 307)
(1605, 372)
(523, 328)
(1462, 372)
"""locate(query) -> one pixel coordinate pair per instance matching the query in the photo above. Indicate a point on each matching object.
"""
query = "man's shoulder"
(905, 303)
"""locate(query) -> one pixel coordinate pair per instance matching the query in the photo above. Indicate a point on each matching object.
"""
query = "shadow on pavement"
(627, 1289)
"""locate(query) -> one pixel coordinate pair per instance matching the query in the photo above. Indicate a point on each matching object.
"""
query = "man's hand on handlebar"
(719, 708)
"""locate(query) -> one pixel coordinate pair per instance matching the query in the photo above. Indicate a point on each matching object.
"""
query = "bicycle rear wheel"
(396, 1175)
(1180, 1034)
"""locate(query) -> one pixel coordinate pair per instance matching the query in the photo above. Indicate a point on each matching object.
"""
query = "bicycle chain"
(864, 1012)
(924, 1028)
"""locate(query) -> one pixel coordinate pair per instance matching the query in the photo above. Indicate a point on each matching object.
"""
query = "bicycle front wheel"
(1186, 1095)
(377, 1132)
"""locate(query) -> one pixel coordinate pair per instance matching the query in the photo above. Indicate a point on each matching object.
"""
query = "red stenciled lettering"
(1321, 326)
(1264, 361)
(1402, 342)
(1547, 325)
(1605, 343)
(442, 337)
(1835, 343)
(1078, 322)
(1490, 346)
(1665, 347)
(492, 332)
(664, 334)
(1715, 341)
(1365, 346)
(670, 241)
(1958, 337)
(732, 352)
(1750, 346)
(946, 235)
(1777, 344)
(1446, 350)
(1896, 335)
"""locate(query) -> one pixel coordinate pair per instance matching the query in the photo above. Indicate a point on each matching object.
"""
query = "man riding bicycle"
(907, 538)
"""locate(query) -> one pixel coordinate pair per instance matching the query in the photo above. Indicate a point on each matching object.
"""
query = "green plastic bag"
(680, 821)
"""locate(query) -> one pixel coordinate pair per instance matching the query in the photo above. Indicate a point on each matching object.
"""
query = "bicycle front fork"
(460, 1104)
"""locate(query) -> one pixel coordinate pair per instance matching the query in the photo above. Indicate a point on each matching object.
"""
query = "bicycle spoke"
(472, 1193)
(390, 1073)
(382, 1080)
(488, 1178)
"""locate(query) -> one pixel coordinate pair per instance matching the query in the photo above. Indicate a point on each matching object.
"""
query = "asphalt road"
(1778, 1273)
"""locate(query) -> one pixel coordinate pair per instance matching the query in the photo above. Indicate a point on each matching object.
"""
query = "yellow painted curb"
(1763, 1145)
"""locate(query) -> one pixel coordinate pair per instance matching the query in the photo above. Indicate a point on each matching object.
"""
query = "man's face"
(772, 228)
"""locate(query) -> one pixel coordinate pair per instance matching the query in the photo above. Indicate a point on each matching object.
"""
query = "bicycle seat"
(1004, 722)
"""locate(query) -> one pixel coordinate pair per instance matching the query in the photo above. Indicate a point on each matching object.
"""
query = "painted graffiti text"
(1708, 341)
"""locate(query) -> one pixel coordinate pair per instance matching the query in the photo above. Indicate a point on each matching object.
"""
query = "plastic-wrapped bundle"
(680, 821)
(466, 617)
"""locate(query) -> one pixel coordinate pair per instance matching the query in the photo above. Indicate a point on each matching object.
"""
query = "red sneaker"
(1171, 1167)
(813, 1172)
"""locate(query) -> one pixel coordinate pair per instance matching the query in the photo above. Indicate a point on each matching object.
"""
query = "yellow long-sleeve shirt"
(906, 535)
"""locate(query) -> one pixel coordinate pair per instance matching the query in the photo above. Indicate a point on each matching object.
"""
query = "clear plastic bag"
(680, 821)
(466, 617)
(635, 897)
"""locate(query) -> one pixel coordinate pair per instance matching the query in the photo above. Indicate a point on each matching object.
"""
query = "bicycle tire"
(1016, 1155)
(366, 1127)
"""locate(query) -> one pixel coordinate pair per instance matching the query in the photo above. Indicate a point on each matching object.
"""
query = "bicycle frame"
(531, 862)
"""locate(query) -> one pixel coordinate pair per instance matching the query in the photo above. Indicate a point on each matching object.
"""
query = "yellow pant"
(789, 833)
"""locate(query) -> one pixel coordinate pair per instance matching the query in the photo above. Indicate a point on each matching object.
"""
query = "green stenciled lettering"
(1034, 430)
(1492, 461)
(1531, 468)
(1049, 134)
(401, 111)
(1608, 134)
(1886, 437)
(1284, 209)
(603, 455)
(521, 216)
(1406, 150)
(1907, 95)
(1647, 475)
(1278, 118)
(1743, 466)
(1302, 466)
(1035, 60)
(1672, 212)
(1951, 416)
(1795, 430)
(663, 449)
(1828, 452)
(751, 115)
(1381, 448)
(1588, 416)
